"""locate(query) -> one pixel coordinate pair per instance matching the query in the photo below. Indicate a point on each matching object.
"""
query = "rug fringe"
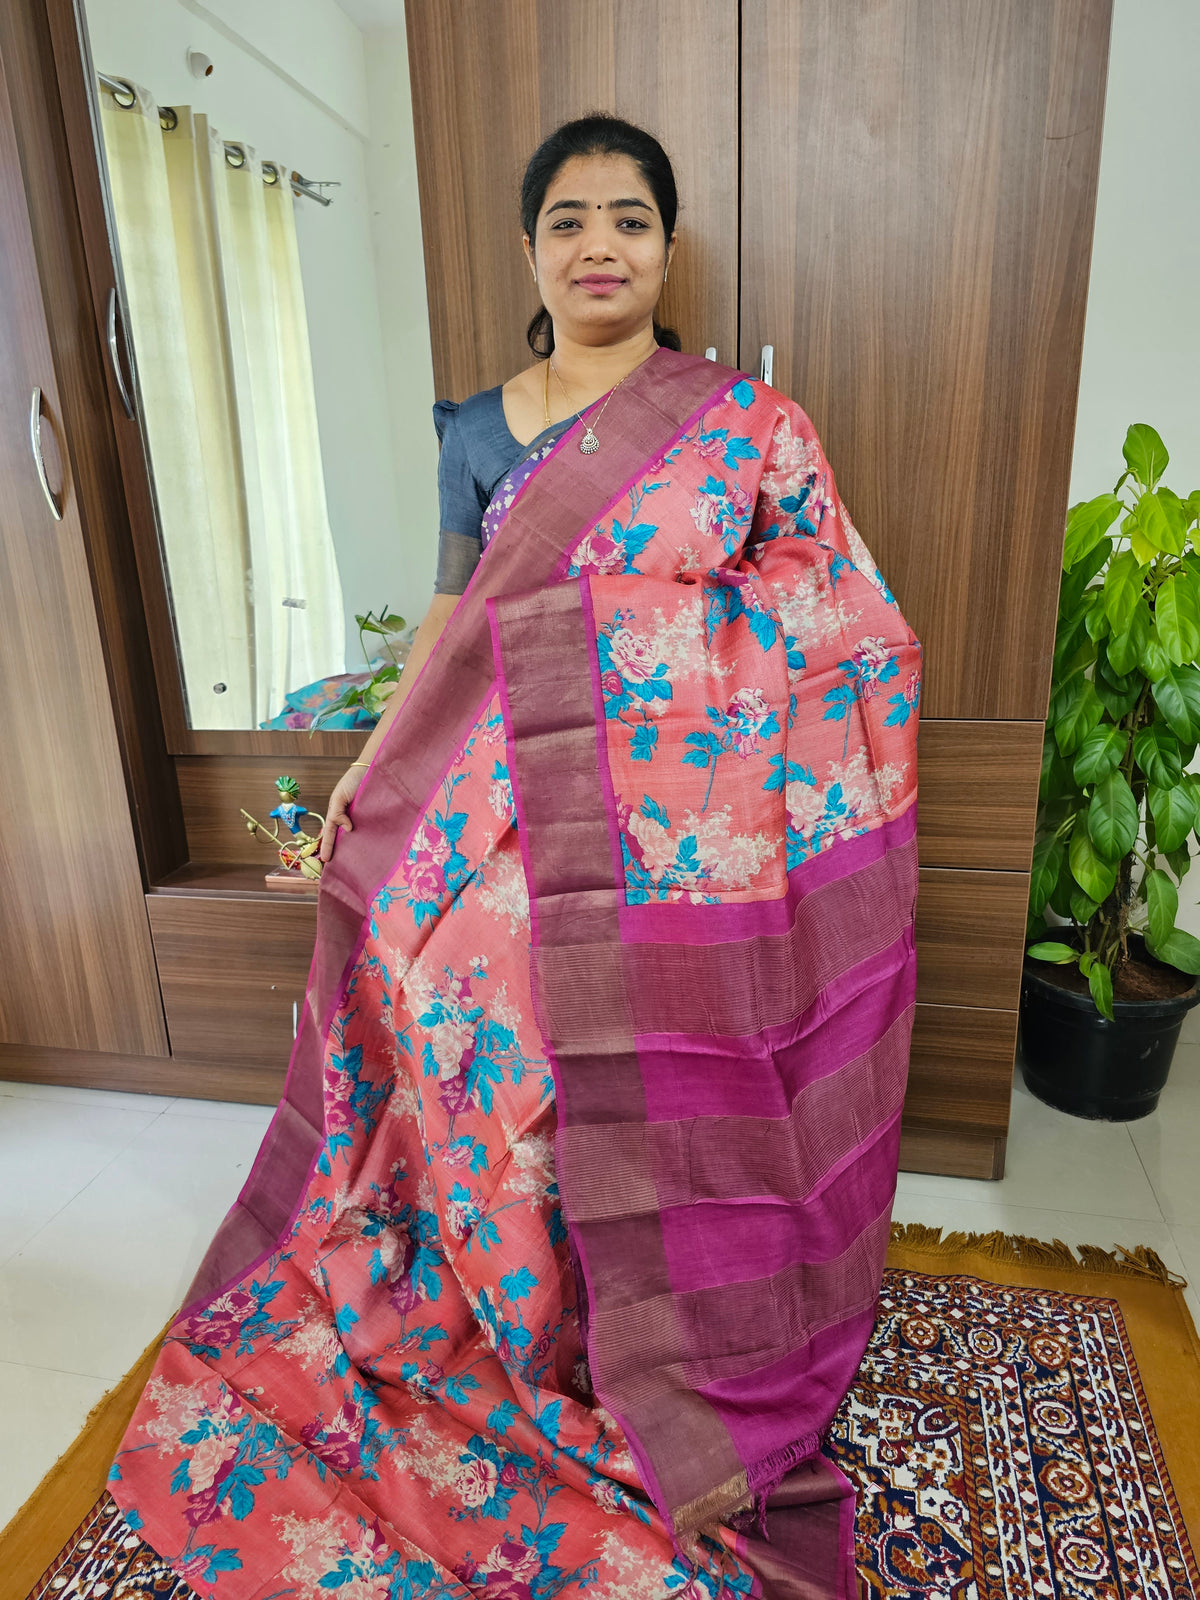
(1015, 1248)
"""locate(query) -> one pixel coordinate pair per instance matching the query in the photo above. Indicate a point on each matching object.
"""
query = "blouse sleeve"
(460, 539)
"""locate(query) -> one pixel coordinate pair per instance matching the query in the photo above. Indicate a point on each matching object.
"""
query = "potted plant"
(1105, 988)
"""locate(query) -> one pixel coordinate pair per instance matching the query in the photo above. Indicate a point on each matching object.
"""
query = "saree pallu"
(564, 1244)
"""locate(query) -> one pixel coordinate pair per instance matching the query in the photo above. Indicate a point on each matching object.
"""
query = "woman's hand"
(336, 815)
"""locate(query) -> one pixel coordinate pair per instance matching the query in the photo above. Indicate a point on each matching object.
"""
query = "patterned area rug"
(998, 1433)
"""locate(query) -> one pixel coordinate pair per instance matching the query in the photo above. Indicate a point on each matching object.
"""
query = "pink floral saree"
(564, 1244)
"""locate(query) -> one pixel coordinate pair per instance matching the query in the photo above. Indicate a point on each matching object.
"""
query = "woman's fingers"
(336, 818)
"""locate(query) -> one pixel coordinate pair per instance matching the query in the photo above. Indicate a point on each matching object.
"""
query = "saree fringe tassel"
(568, 1233)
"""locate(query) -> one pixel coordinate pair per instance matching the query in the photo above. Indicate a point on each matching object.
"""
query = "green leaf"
(1138, 542)
(1100, 753)
(1087, 524)
(1192, 506)
(1179, 860)
(1094, 875)
(1035, 927)
(1112, 818)
(1053, 767)
(1122, 590)
(1125, 648)
(1179, 950)
(1157, 752)
(1162, 903)
(1083, 907)
(1086, 962)
(1079, 716)
(1177, 696)
(1122, 682)
(1145, 454)
(1060, 900)
(1174, 813)
(1060, 954)
(1072, 629)
(1047, 863)
(1117, 705)
(1177, 619)
(1096, 622)
(1072, 584)
(1161, 519)
(1153, 658)
(1100, 983)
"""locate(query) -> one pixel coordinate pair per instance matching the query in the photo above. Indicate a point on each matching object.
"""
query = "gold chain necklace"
(589, 444)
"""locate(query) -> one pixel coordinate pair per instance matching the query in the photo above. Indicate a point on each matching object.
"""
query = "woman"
(624, 907)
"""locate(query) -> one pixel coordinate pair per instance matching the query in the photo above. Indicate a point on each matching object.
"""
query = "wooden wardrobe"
(895, 197)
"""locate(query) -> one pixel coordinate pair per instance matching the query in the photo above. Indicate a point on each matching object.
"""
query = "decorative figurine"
(300, 866)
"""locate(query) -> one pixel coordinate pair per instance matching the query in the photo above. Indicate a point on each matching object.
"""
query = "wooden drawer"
(959, 1089)
(960, 1068)
(231, 972)
(970, 937)
(977, 788)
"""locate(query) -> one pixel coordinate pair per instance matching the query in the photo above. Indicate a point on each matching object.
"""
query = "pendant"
(589, 444)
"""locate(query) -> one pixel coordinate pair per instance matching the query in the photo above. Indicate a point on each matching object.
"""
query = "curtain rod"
(125, 96)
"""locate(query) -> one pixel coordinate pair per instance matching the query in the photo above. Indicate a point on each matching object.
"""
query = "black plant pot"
(1077, 1061)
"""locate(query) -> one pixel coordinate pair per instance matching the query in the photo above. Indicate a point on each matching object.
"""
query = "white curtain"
(218, 327)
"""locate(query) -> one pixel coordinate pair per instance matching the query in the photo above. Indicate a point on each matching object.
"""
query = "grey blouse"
(478, 450)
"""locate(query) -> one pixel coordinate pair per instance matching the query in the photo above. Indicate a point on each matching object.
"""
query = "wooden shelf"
(229, 880)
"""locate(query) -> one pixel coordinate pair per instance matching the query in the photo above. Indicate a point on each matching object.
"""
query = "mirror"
(272, 335)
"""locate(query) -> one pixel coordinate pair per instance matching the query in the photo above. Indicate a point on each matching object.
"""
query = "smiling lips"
(600, 283)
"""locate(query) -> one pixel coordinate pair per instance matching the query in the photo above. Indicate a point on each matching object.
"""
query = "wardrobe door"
(490, 81)
(76, 965)
(918, 187)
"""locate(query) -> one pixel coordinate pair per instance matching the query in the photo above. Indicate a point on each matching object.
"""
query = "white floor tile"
(1058, 1163)
(1187, 1242)
(41, 1413)
(223, 1111)
(63, 1094)
(49, 1151)
(1168, 1142)
(88, 1293)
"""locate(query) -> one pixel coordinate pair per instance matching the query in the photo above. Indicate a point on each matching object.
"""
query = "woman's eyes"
(557, 227)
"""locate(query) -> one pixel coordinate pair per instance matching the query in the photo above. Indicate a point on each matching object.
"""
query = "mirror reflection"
(263, 194)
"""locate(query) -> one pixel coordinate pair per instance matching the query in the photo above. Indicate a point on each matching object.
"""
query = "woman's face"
(599, 249)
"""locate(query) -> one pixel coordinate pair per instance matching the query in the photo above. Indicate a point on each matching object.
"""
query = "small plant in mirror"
(1117, 805)
(386, 628)
(297, 855)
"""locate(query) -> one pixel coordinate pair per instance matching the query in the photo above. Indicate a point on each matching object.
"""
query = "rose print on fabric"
(633, 682)
(617, 547)
(701, 859)
(739, 729)
(870, 664)
(722, 511)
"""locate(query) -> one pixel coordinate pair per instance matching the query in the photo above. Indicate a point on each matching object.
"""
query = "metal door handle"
(767, 362)
(295, 1018)
(711, 353)
(35, 440)
(114, 354)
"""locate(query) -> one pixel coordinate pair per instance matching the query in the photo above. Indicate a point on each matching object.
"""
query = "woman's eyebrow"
(585, 205)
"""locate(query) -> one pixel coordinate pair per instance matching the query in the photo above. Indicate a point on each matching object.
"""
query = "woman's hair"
(597, 134)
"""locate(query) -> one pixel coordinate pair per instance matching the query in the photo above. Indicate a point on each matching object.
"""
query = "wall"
(1141, 344)
(291, 79)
